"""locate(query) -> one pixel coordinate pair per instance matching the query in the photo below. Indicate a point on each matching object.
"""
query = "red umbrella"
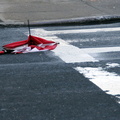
(32, 44)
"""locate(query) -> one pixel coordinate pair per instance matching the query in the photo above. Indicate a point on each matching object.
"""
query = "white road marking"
(112, 65)
(70, 54)
(108, 82)
(101, 49)
(105, 80)
(86, 30)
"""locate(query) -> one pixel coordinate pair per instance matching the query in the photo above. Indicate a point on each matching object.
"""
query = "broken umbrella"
(32, 44)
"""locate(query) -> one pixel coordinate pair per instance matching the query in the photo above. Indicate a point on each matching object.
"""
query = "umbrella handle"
(29, 28)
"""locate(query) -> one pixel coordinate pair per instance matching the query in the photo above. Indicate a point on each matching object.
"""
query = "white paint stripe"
(105, 80)
(72, 54)
(101, 49)
(86, 30)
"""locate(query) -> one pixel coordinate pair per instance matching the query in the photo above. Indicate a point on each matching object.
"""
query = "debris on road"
(32, 44)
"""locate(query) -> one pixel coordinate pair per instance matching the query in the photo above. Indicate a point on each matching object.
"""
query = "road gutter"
(65, 22)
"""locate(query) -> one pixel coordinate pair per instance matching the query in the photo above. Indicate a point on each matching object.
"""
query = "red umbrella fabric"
(32, 44)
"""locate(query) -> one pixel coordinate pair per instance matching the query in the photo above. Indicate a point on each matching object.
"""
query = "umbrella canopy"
(32, 44)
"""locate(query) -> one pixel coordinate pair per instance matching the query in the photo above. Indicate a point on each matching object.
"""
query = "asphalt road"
(47, 86)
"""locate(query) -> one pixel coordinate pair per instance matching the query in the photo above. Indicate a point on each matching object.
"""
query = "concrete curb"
(64, 22)
(79, 21)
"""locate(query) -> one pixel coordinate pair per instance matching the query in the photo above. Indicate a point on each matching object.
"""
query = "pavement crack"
(93, 6)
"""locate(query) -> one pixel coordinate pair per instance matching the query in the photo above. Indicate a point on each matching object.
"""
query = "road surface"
(71, 82)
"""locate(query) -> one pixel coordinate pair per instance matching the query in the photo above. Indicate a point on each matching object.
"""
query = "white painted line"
(101, 49)
(112, 65)
(105, 80)
(86, 30)
(72, 54)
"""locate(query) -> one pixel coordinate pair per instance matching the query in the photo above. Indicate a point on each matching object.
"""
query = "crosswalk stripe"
(86, 30)
(101, 49)
(107, 81)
